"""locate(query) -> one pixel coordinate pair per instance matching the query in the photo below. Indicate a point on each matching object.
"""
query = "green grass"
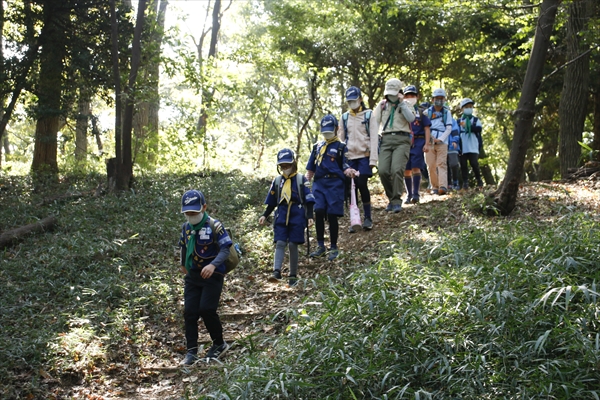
(459, 306)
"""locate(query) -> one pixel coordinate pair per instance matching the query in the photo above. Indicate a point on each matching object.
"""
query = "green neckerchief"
(468, 123)
(192, 240)
(394, 105)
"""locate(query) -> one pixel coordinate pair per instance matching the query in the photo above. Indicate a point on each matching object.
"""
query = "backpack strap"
(345, 123)
(368, 122)
(299, 185)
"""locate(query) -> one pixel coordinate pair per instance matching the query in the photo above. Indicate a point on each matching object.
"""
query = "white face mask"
(411, 101)
(328, 135)
(194, 219)
(468, 111)
(353, 104)
(288, 171)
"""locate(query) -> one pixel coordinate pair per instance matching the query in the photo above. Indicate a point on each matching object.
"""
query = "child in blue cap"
(290, 195)
(327, 165)
(203, 255)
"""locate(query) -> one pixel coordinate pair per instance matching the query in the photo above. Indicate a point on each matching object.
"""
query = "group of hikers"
(399, 137)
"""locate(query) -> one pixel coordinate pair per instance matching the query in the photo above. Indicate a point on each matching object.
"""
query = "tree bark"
(81, 125)
(573, 100)
(9, 237)
(49, 90)
(596, 141)
(505, 197)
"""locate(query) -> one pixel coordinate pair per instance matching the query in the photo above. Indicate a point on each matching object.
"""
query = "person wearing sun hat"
(328, 164)
(203, 255)
(393, 116)
(470, 137)
(441, 128)
(362, 141)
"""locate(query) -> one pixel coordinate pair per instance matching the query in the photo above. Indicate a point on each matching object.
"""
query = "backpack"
(234, 252)
(299, 185)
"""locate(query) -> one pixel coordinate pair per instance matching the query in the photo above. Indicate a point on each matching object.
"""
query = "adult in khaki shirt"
(394, 116)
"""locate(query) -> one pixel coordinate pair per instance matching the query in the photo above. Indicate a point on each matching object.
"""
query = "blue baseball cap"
(411, 89)
(353, 93)
(329, 123)
(286, 156)
(192, 200)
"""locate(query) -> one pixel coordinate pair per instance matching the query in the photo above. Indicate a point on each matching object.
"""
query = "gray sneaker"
(217, 350)
(190, 358)
(368, 224)
(319, 252)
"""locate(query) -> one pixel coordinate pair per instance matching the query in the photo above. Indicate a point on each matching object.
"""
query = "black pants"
(473, 159)
(201, 298)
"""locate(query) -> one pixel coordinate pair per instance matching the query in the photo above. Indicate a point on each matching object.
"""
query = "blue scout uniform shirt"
(470, 141)
(418, 126)
(206, 249)
(329, 166)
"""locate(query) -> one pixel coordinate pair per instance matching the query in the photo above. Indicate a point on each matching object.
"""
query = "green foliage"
(504, 309)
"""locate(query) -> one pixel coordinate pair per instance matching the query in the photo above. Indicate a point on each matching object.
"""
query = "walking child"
(205, 245)
(327, 165)
(293, 201)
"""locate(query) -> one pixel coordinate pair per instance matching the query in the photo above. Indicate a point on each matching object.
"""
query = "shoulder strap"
(300, 186)
(277, 185)
(340, 159)
(211, 222)
(345, 122)
(368, 121)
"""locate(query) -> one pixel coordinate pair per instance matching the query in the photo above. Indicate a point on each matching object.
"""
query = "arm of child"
(266, 214)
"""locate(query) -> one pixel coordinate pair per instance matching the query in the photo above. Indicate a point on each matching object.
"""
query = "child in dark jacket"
(293, 202)
(203, 255)
(328, 165)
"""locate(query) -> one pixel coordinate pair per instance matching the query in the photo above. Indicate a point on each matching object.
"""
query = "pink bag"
(355, 221)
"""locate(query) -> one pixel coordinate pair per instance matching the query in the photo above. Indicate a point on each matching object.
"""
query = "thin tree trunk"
(505, 197)
(312, 87)
(81, 125)
(573, 100)
(49, 90)
(596, 140)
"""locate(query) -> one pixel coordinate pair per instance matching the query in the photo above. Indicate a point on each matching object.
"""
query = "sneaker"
(320, 251)
(293, 281)
(333, 253)
(216, 350)
(276, 277)
(368, 224)
(408, 200)
(190, 358)
(389, 208)
(397, 208)
(415, 200)
(434, 191)
(351, 230)
(442, 191)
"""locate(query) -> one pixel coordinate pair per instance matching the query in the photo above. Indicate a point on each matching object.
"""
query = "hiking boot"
(190, 358)
(415, 200)
(408, 200)
(217, 350)
(293, 281)
(319, 252)
(333, 253)
(442, 191)
(276, 277)
(389, 208)
(397, 208)
(368, 224)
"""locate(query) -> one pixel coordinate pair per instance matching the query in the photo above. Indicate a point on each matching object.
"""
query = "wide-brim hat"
(392, 87)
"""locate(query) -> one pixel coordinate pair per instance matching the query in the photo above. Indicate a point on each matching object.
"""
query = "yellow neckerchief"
(286, 194)
(356, 113)
(324, 148)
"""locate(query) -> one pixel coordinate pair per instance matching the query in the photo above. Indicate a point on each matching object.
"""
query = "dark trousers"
(473, 159)
(201, 297)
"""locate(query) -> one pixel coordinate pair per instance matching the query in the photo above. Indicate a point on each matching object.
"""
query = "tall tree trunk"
(596, 140)
(505, 197)
(573, 100)
(81, 126)
(49, 90)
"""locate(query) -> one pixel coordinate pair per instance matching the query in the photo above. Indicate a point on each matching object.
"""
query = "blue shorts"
(362, 166)
(329, 196)
(294, 230)
(417, 157)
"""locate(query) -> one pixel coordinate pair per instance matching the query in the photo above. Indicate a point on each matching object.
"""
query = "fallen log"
(9, 237)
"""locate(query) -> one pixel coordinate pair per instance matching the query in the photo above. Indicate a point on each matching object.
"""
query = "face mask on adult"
(438, 103)
(392, 98)
(353, 104)
(410, 101)
(288, 171)
(468, 111)
(194, 219)
(328, 135)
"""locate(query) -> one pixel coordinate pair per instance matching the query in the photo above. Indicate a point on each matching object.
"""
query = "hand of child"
(309, 175)
(454, 145)
(262, 220)
(426, 148)
(350, 172)
(462, 123)
(310, 222)
(207, 271)
(182, 270)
